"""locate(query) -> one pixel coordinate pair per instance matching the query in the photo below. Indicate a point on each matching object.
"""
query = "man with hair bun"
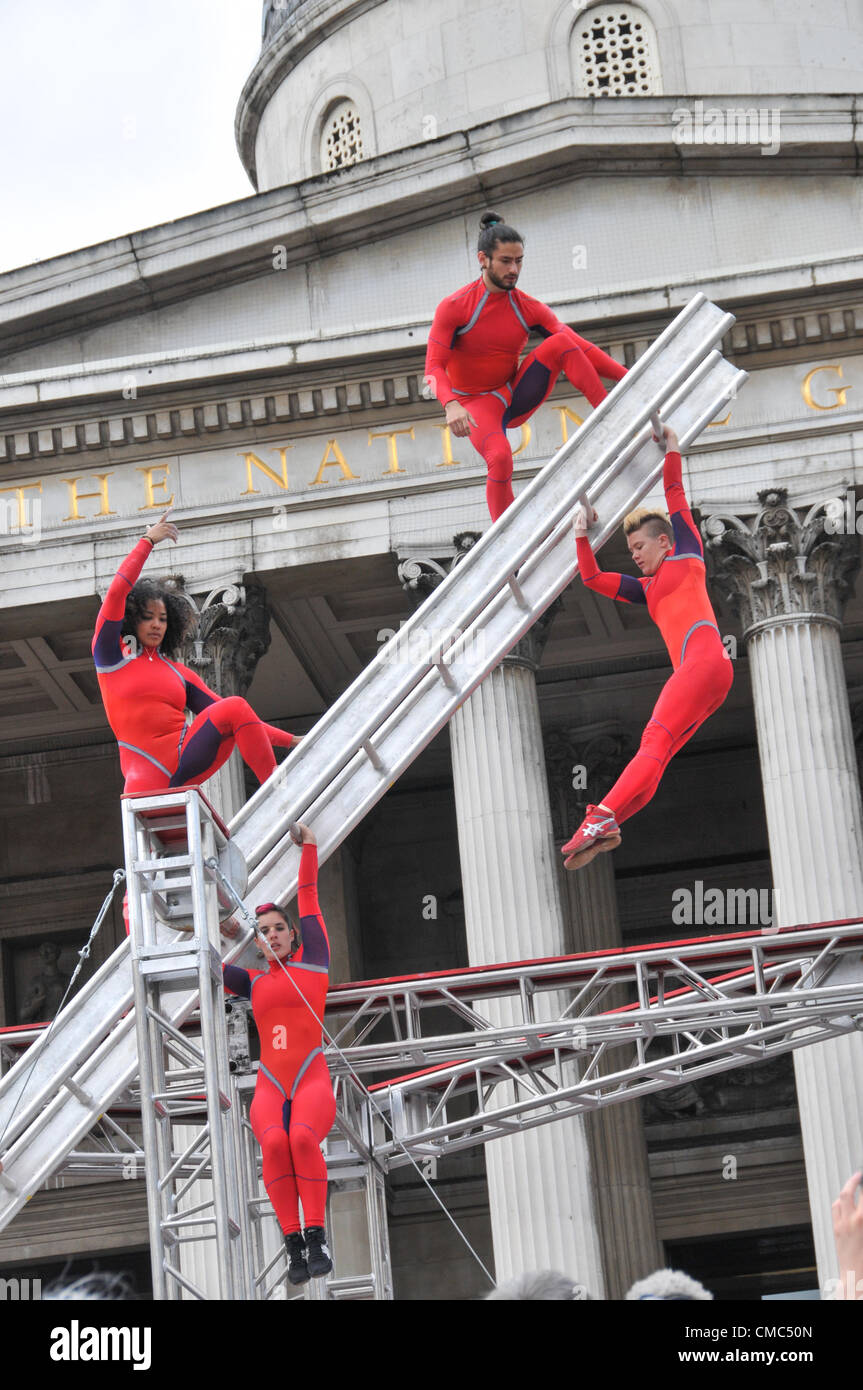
(669, 553)
(472, 362)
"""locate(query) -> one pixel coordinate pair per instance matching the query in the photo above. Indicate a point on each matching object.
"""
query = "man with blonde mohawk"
(669, 553)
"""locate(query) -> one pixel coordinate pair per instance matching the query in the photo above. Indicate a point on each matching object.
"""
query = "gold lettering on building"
(252, 461)
(19, 489)
(566, 414)
(525, 440)
(338, 460)
(392, 447)
(447, 461)
(840, 392)
(75, 496)
(154, 484)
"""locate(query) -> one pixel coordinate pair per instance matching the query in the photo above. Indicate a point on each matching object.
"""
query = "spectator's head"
(544, 1284)
(666, 1285)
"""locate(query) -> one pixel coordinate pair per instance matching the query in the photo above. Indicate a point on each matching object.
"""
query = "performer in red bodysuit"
(146, 695)
(293, 1107)
(472, 363)
(671, 555)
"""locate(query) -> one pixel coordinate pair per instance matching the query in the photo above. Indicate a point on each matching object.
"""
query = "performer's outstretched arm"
(107, 648)
(623, 587)
(316, 943)
(687, 541)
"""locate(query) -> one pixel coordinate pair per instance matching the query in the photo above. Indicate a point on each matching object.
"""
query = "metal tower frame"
(169, 840)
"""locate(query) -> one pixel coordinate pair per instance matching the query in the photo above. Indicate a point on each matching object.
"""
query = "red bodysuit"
(476, 340)
(677, 601)
(293, 1107)
(146, 698)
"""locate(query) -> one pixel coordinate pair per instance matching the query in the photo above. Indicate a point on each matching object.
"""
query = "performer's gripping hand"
(164, 530)
(460, 421)
(672, 443)
(301, 834)
(580, 523)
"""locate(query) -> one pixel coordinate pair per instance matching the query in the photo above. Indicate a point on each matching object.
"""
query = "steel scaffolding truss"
(769, 995)
(709, 982)
(698, 1007)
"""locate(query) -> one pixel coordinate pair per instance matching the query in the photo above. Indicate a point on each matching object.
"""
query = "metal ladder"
(366, 740)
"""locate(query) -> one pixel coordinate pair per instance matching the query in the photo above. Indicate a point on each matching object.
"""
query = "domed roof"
(277, 13)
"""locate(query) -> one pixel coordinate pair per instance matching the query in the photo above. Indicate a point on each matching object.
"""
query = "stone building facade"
(259, 367)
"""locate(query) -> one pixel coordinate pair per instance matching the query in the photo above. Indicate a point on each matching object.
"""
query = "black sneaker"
(298, 1270)
(319, 1261)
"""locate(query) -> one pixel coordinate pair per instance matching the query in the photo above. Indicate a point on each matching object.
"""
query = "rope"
(83, 955)
(252, 922)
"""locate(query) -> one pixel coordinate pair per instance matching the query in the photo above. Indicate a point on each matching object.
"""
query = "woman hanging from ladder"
(293, 1107)
(146, 692)
(670, 555)
(472, 361)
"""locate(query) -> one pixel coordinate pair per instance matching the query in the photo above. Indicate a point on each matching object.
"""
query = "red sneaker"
(598, 831)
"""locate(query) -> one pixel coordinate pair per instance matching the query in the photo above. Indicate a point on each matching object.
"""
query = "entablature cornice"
(42, 421)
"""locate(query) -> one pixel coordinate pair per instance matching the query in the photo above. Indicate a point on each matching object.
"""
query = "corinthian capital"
(784, 564)
(581, 765)
(230, 635)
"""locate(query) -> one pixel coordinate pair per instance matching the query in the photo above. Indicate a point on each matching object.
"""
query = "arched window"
(341, 137)
(615, 53)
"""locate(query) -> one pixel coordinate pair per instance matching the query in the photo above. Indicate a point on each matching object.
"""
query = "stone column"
(541, 1194)
(787, 576)
(581, 765)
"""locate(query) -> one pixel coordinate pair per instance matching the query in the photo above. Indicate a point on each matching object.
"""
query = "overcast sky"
(117, 115)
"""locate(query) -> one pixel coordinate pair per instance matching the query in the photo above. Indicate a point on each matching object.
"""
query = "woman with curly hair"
(146, 692)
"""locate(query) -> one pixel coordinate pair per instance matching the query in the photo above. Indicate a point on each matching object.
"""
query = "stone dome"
(339, 81)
